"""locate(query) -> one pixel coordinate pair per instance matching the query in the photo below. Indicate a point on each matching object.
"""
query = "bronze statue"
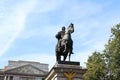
(59, 36)
(65, 43)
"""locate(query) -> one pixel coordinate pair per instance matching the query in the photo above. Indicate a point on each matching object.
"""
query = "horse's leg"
(58, 56)
(65, 55)
(71, 47)
(69, 56)
(56, 51)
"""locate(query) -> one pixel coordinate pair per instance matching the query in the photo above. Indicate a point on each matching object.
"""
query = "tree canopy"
(106, 65)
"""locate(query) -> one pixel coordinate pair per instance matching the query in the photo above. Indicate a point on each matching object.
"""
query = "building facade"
(24, 70)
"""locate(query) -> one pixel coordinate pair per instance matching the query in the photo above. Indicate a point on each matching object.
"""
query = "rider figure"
(59, 36)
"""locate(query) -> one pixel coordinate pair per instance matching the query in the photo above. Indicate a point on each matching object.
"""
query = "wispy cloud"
(12, 24)
(29, 19)
(91, 46)
(43, 32)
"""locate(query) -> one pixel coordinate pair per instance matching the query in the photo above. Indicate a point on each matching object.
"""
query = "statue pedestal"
(66, 70)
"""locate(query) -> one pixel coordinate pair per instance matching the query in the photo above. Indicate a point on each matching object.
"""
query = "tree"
(112, 54)
(106, 66)
(96, 69)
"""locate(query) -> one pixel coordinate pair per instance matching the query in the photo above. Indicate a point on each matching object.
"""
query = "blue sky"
(28, 28)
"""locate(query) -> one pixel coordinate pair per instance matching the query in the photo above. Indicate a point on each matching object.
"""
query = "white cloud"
(81, 57)
(44, 32)
(88, 47)
(12, 24)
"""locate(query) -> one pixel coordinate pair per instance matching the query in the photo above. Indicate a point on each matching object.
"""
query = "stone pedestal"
(66, 71)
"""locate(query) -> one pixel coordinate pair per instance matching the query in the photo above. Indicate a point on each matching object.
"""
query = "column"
(8, 77)
(5, 77)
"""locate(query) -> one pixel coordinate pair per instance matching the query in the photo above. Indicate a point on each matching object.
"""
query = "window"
(11, 77)
(43, 79)
(1, 77)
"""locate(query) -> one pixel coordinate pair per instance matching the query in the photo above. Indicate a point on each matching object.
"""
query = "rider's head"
(63, 28)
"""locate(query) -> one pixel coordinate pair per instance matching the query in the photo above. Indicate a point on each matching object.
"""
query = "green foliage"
(95, 67)
(106, 66)
(112, 52)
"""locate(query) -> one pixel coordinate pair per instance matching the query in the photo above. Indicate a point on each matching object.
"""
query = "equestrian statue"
(64, 46)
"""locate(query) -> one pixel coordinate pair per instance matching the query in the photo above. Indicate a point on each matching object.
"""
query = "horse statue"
(64, 46)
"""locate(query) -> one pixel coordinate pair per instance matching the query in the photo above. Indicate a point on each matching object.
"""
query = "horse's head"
(71, 28)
